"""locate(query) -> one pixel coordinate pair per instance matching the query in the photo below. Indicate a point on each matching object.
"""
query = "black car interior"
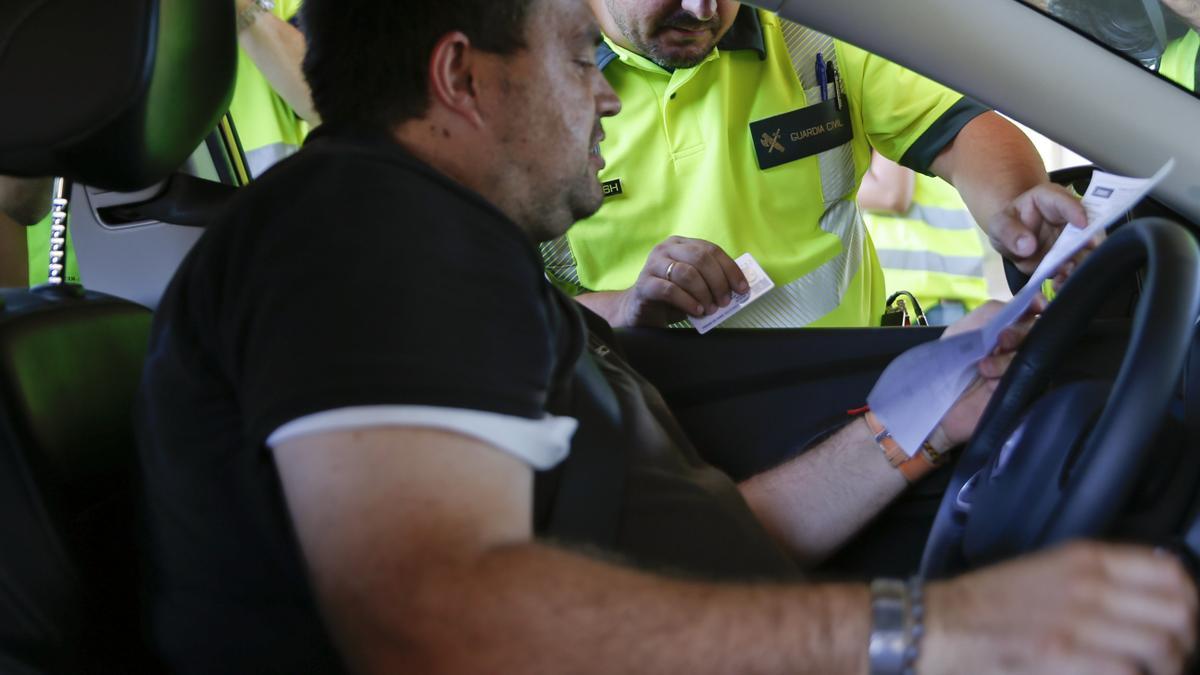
(70, 359)
(159, 79)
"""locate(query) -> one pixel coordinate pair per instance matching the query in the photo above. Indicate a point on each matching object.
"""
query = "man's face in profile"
(547, 117)
(671, 33)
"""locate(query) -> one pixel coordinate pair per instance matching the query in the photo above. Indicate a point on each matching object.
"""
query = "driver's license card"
(760, 284)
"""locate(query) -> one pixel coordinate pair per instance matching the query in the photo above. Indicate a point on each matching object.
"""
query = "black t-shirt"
(353, 275)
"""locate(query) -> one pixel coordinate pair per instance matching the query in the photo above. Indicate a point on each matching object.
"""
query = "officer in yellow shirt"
(271, 106)
(741, 132)
(1181, 59)
(925, 239)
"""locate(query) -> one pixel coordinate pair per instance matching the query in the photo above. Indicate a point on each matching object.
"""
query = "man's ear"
(452, 76)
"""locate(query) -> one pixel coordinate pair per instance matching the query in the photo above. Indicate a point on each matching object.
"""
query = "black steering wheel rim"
(1162, 331)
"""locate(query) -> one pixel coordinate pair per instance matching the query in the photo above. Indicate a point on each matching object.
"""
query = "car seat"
(116, 95)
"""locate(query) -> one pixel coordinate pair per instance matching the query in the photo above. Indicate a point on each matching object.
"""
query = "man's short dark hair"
(368, 60)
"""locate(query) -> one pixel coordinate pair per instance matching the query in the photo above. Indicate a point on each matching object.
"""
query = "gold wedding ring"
(669, 268)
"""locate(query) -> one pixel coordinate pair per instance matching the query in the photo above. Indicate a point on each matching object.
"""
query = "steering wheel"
(1039, 472)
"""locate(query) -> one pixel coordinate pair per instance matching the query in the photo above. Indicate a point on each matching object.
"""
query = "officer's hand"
(960, 422)
(1082, 608)
(681, 277)
(1025, 230)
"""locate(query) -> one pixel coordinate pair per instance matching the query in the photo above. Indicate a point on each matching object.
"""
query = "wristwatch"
(897, 626)
(249, 15)
(889, 632)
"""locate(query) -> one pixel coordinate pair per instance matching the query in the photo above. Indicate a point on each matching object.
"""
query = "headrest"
(116, 94)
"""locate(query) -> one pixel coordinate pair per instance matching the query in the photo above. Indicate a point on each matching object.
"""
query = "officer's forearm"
(608, 304)
(990, 162)
(277, 49)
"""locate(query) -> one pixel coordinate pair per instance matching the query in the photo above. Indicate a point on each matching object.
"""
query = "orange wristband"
(912, 468)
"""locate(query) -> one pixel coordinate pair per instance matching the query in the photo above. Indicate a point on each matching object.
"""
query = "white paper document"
(759, 282)
(919, 387)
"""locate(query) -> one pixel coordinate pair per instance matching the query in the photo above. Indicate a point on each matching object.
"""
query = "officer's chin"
(682, 56)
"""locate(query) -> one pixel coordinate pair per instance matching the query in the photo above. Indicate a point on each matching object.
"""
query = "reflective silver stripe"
(942, 219)
(261, 159)
(803, 45)
(928, 261)
(560, 262)
(819, 292)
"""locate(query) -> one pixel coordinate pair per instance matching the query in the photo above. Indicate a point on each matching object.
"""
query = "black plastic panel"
(109, 92)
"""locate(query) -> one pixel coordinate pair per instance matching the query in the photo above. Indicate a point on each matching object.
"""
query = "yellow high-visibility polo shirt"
(1180, 62)
(685, 158)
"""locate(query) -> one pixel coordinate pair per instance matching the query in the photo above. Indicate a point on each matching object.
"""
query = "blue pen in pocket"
(822, 81)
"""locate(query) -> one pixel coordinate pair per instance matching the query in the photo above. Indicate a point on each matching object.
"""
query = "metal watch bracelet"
(889, 632)
(916, 626)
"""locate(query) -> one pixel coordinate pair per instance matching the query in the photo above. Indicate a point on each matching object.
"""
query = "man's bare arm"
(420, 548)
(1002, 179)
(990, 162)
(277, 49)
(817, 501)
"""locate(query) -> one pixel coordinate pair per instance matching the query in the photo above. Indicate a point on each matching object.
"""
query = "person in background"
(925, 238)
(272, 109)
(1181, 58)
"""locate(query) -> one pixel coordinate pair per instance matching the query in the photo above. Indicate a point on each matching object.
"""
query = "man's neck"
(461, 154)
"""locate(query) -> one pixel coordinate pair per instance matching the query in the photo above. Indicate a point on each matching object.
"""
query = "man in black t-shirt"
(365, 412)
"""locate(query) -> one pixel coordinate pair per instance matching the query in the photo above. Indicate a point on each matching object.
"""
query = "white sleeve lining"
(540, 443)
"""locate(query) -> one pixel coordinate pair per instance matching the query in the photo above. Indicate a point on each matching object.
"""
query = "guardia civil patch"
(801, 133)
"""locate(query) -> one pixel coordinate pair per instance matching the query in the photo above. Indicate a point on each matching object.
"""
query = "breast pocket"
(837, 164)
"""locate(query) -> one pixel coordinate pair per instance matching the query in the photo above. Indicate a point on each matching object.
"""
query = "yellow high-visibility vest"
(934, 250)
(682, 160)
(1179, 61)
